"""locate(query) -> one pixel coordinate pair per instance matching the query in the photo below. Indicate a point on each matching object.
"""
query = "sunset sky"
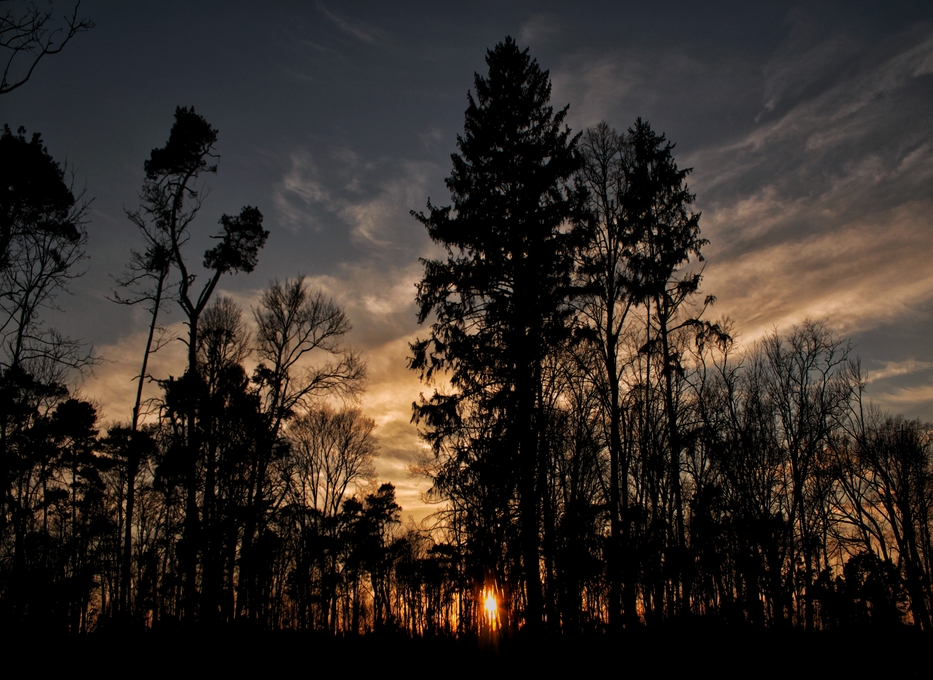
(809, 128)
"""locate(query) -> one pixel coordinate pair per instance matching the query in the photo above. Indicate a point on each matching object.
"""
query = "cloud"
(392, 389)
(537, 31)
(596, 85)
(824, 209)
(300, 191)
(892, 369)
(352, 29)
(379, 301)
(369, 201)
(695, 97)
(865, 274)
(382, 221)
(806, 58)
(908, 395)
(867, 109)
(432, 138)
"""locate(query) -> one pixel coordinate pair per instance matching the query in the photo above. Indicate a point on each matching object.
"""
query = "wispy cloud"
(352, 29)
(806, 58)
(908, 395)
(595, 86)
(383, 221)
(372, 199)
(299, 192)
(825, 210)
(893, 369)
(537, 30)
(847, 116)
(866, 274)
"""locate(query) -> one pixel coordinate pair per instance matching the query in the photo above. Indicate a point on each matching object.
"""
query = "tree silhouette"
(27, 35)
(174, 201)
(666, 236)
(604, 308)
(499, 299)
(42, 239)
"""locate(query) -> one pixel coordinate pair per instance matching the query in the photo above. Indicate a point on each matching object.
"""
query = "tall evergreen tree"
(499, 298)
(666, 236)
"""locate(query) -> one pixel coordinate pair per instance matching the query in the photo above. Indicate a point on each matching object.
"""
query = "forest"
(602, 455)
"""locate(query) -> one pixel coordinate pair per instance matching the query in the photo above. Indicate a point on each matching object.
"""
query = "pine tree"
(499, 298)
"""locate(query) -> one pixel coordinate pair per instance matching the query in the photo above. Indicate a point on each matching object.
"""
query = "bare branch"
(29, 35)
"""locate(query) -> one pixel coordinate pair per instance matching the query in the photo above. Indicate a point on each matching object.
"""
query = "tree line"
(234, 494)
(602, 454)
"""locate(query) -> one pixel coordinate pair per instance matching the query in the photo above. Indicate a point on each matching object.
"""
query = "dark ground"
(697, 653)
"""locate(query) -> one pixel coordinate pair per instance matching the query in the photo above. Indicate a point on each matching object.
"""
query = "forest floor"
(697, 653)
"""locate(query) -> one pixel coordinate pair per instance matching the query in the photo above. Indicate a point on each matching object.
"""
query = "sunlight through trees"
(602, 454)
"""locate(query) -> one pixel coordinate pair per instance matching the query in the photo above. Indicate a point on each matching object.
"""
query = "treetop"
(190, 142)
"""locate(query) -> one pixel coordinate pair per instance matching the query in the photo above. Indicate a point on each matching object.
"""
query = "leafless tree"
(295, 327)
(331, 451)
(604, 309)
(806, 387)
(28, 32)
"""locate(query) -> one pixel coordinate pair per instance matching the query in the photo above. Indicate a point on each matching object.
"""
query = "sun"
(490, 605)
(491, 608)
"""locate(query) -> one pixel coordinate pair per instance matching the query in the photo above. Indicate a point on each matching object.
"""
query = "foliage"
(500, 298)
(42, 239)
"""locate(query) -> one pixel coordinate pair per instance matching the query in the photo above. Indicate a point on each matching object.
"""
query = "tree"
(173, 202)
(296, 325)
(231, 429)
(605, 308)
(28, 34)
(369, 544)
(499, 299)
(806, 386)
(42, 239)
(885, 468)
(331, 450)
(328, 453)
(145, 281)
(666, 236)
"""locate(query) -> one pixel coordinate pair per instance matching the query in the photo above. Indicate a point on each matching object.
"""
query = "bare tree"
(807, 390)
(604, 309)
(331, 451)
(224, 339)
(887, 477)
(295, 327)
(28, 33)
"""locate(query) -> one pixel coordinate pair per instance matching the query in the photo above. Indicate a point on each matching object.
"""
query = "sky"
(809, 129)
